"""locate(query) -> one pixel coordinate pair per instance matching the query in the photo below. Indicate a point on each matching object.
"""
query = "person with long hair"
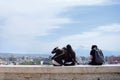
(70, 56)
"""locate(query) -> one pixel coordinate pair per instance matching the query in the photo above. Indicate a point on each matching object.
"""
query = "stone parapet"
(80, 72)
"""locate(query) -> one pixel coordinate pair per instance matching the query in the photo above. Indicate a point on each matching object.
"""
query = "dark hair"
(70, 50)
(70, 56)
(94, 46)
(69, 47)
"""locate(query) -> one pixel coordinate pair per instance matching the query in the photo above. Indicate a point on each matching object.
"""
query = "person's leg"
(93, 63)
(99, 64)
(72, 64)
(90, 63)
(55, 63)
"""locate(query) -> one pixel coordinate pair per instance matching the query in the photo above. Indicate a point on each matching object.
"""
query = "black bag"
(99, 57)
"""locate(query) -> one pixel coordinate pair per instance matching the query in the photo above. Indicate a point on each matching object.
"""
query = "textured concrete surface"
(81, 72)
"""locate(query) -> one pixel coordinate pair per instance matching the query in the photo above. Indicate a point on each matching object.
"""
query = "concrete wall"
(82, 72)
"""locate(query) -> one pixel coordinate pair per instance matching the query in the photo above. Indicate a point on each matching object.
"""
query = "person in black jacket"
(57, 59)
(92, 55)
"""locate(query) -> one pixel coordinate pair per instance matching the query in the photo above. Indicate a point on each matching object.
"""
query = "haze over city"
(37, 26)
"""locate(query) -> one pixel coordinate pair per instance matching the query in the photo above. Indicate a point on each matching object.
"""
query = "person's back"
(57, 58)
(70, 57)
(96, 56)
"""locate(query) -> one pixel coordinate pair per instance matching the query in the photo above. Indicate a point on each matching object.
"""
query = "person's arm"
(91, 57)
(74, 57)
(54, 50)
(54, 56)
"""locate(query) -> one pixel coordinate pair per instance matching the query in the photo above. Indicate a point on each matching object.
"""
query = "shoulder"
(92, 52)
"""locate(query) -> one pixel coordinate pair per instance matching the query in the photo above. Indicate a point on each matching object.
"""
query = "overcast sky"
(37, 26)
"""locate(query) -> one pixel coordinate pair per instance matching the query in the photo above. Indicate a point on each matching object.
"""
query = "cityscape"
(13, 59)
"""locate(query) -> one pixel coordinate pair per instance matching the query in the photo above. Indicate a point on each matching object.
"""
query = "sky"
(37, 26)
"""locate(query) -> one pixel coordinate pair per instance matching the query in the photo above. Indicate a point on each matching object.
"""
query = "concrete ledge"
(64, 69)
(81, 72)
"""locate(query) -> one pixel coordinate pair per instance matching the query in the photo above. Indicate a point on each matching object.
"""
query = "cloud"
(107, 37)
(110, 28)
(39, 16)
(21, 21)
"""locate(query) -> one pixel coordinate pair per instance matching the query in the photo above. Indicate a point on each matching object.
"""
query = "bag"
(99, 57)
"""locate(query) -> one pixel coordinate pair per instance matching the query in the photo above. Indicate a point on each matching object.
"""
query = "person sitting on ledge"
(57, 59)
(96, 56)
(70, 56)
